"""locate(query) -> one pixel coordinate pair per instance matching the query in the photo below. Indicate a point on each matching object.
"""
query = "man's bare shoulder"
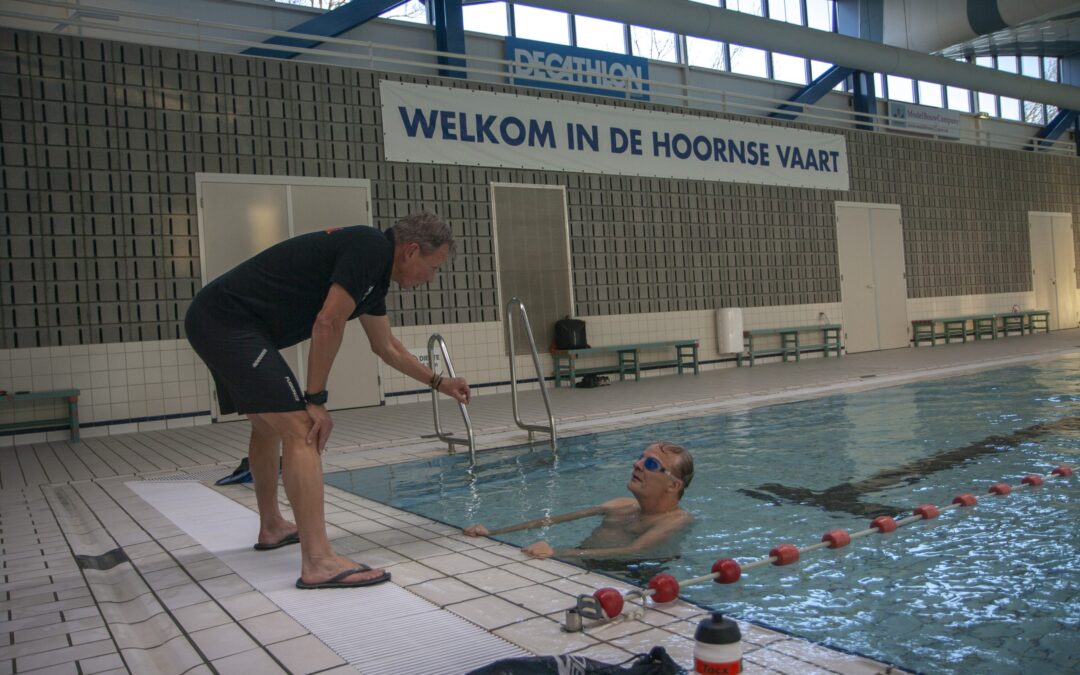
(619, 504)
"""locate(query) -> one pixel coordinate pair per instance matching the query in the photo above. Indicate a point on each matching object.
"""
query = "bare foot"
(275, 533)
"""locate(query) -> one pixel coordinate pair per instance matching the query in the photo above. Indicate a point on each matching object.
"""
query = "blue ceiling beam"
(1057, 126)
(329, 24)
(812, 93)
(449, 34)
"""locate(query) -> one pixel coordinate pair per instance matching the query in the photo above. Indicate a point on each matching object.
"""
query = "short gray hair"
(426, 229)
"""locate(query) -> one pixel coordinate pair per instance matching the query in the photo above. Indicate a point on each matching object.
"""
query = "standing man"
(309, 287)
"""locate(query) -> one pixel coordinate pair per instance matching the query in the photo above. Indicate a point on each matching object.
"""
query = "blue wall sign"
(588, 71)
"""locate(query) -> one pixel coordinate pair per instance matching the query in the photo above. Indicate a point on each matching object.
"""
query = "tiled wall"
(100, 141)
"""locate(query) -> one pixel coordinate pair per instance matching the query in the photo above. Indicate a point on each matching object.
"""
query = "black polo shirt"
(283, 288)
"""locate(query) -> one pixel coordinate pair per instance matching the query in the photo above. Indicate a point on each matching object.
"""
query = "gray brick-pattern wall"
(99, 143)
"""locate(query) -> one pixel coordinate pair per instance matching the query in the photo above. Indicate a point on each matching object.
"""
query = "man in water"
(632, 526)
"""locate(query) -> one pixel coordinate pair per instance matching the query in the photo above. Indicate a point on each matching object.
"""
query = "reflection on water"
(993, 588)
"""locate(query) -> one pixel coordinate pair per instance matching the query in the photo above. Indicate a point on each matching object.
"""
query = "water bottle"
(717, 650)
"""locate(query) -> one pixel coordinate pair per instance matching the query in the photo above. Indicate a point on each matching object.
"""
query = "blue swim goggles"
(653, 464)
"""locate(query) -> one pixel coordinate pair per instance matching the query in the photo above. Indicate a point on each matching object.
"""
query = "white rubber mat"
(380, 630)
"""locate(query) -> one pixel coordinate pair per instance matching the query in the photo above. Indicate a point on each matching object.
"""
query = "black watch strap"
(316, 398)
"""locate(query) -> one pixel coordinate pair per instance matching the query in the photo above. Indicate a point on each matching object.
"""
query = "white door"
(354, 379)
(873, 288)
(1053, 267)
(240, 216)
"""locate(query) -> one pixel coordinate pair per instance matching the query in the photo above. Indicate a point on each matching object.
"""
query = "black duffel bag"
(570, 334)
(656, 662)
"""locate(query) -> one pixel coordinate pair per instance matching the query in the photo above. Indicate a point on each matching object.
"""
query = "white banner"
(440, 125)
(924, 120)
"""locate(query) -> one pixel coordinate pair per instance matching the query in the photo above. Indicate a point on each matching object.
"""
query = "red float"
(1064, 471)
(1033, 480)
(727, 571)
(785, 554)
(611, 601)
(665, 587)
(965, 499)
(927, 511)
(884, 524)
(1000, 489)
(837, 538)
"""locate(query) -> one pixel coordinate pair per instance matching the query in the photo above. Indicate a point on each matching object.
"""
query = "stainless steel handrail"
(443, 436)
(520, 306)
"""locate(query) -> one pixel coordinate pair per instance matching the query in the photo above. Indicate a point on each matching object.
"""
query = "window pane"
(818, 68)
(988, 104)
(959, 99)
(1010, 108)
(1034, 113)
(705, 53)
(1029, 65)
(747, 6)
(533, 23)
(1007, 64)
(786, 10)
(984, 61)
(652, 44)
(413, 10)
(748, 61)
(879, 85)
(930, 94)
(789, 68)
(714, 3)
(1050, 68)
(900, 89)
(1051, 112)
(602, 34)
(489, 17)
(819, 14)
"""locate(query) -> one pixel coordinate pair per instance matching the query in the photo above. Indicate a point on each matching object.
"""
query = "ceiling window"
(1030, 66)
(705, 53)
(819, 14)
(1010, 108)
(413, 10)
(1051, 68)
(608, 36)
(489, 17)
(789, 11)
(958, 99)
(1034, 113)
(900, 88)
(653, 44)
(749, 61)
(546, 25)
(930, 94)
(756, 7)
(789, 68)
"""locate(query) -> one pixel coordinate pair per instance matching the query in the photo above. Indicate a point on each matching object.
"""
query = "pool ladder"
(470, 441)
(513, 308)
(519, 306)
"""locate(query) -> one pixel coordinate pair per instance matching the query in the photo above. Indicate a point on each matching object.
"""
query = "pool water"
(990, 588)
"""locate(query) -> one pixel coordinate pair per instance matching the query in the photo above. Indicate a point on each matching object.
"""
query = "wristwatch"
(316, 398)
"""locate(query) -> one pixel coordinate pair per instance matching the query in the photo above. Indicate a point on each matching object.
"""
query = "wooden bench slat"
(71, 420)
(628, 359)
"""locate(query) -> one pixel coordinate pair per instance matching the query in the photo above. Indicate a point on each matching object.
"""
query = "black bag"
(656, 662)
(570, 334)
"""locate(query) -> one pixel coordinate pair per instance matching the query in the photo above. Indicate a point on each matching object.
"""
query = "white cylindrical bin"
(729, 330)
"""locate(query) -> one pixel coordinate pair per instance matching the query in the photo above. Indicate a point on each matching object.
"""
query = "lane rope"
(606, 605)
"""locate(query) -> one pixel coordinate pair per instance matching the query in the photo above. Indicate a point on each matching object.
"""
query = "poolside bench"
(627, 359)
(791, 344)
(978, 326)
(72, 419)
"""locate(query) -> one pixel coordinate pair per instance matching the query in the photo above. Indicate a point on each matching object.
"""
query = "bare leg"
(304, 487)
(263, 452)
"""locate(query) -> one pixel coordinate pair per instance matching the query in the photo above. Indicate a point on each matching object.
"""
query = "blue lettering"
(659, 144)
(426, 124)
(464, 124)
(518, 127)
(680, 145)
(544, 134)
(785, 154)
(449, 125)
(483, 129)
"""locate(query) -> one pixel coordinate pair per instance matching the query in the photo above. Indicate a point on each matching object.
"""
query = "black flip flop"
(335, 581)
(287, 540)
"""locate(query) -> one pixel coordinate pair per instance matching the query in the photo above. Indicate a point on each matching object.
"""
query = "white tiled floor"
(179, 605)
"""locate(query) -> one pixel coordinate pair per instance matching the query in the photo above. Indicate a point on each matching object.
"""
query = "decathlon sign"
(542, 64)
(441, 125)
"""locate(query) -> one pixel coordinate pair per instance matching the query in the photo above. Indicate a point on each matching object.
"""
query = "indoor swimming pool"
(990, 588)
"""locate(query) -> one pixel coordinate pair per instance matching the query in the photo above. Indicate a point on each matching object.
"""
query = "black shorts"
(249, 373)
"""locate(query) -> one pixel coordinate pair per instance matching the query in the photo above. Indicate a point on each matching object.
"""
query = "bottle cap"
(717, 630)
